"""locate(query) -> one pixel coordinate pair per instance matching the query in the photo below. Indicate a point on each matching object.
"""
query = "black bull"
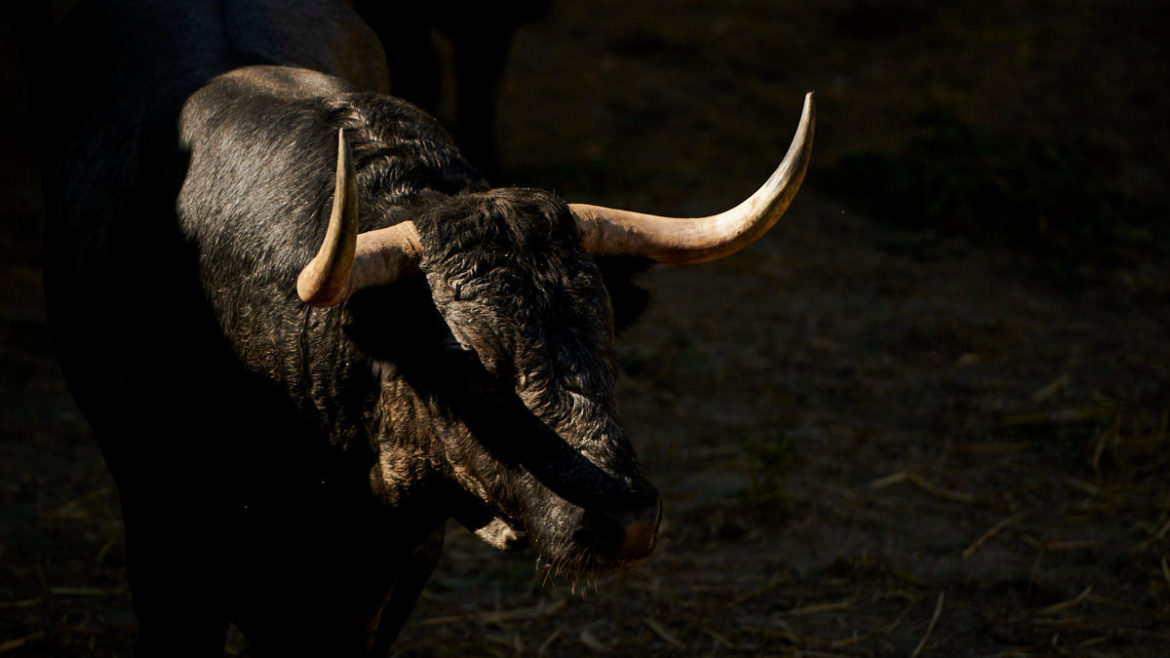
(289, 466)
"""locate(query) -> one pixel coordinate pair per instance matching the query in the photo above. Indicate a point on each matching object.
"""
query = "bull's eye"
(450, 343)
(461, 352)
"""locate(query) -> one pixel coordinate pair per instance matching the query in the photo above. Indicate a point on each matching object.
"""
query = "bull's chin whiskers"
(581, 570)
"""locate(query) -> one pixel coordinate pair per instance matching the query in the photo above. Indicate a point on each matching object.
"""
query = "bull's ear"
(629, 299)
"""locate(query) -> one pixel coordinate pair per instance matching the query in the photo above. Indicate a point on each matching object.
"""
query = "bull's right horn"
(348, 261)
(613, 232)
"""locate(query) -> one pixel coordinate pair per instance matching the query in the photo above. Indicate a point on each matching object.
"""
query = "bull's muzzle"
(622, 536)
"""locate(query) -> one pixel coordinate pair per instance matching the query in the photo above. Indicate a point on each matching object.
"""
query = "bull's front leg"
(173, 576)
(412, 577)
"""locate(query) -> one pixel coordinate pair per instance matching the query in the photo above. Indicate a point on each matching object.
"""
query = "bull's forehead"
(509, 275)
(514, 251)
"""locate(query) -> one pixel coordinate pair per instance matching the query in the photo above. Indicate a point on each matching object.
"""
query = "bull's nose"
(625, 535)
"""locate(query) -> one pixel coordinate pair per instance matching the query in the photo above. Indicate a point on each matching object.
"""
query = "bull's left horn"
(349, 261)
(612, 232)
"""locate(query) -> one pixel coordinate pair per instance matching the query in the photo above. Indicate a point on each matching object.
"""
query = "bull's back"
(127, 313)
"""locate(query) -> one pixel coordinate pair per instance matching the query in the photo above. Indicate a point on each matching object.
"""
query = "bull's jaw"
(575, 542)
(571, 540)
(581, 514)
(591, 517)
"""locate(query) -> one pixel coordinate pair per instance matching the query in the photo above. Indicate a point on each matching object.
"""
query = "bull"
(307, 332)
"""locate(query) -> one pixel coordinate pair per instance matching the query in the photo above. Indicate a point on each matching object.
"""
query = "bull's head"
(521, 414)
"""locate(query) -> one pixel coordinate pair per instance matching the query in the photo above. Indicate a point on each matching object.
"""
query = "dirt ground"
(926, 415)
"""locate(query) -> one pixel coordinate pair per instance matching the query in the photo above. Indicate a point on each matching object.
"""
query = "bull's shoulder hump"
(282, 82)
(257, 104)
(253, 91)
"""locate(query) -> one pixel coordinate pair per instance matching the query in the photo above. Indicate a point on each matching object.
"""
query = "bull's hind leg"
(413, 576)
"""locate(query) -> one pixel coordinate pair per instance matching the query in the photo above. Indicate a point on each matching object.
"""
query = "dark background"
(927, 414)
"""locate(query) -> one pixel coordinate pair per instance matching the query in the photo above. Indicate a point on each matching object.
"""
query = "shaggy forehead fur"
(507, 272)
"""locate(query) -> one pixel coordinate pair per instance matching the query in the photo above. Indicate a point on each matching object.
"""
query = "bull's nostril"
(622, 535)
(601, 531)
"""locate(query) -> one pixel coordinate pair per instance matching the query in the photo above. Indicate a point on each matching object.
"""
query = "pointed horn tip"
(796, 159)
(344, 154)
(800, 150)
(613, 231)
(808, 113)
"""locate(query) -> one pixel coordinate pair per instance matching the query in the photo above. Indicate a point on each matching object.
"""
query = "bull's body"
(232, 435)
(286, 468)
(290, 468)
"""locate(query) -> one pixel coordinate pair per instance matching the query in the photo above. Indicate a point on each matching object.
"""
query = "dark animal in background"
(307, 333)
(31, 26)
(480, 35)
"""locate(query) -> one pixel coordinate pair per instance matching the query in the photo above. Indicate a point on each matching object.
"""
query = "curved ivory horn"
(347, 260)
(613, 232)
(324, 280)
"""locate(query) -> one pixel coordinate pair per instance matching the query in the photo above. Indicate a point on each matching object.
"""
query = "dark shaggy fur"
(286, 468)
